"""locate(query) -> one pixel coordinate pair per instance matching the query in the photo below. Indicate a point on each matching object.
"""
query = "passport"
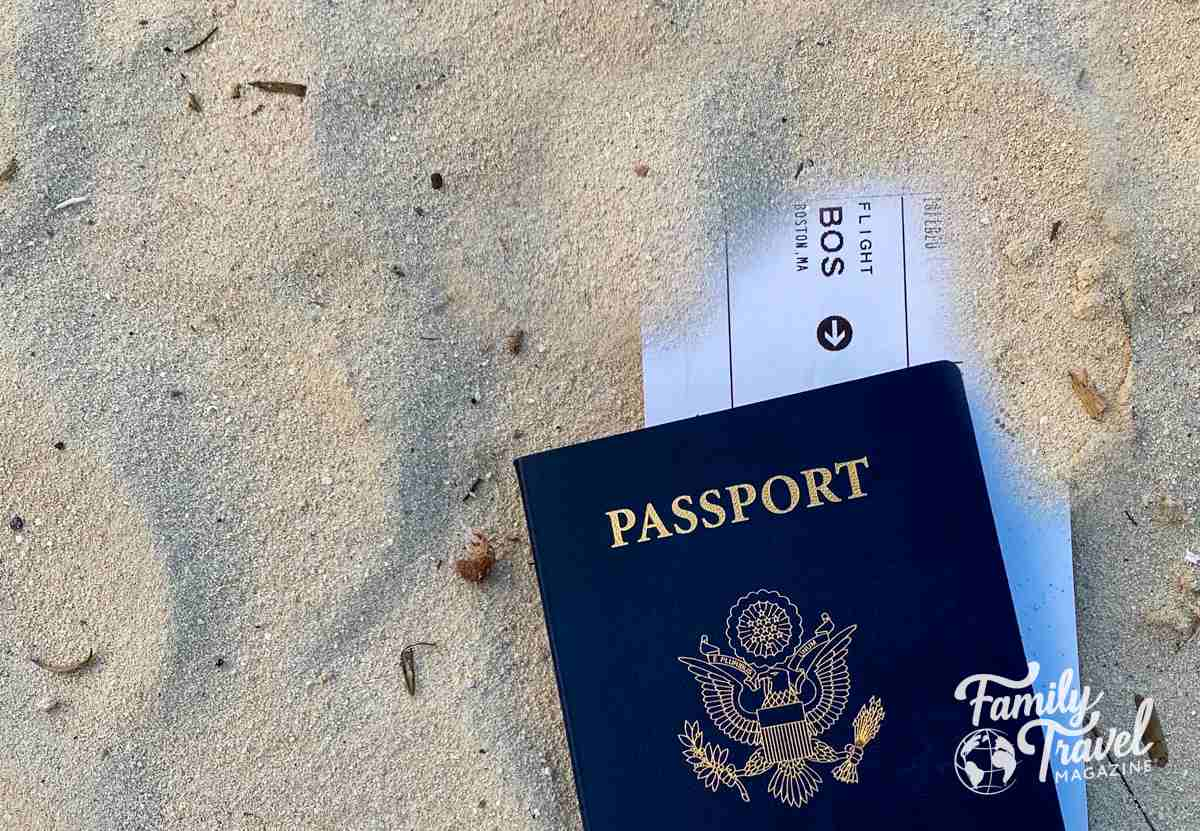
(764, 617)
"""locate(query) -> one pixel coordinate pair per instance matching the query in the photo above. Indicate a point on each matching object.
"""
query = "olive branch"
(710, 762)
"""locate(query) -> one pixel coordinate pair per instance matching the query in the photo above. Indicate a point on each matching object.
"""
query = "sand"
(274, 355)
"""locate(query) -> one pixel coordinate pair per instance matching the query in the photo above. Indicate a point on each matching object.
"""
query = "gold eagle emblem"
(776, 693)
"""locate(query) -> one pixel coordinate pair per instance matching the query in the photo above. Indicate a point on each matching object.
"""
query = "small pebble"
(220, 662)
(641, 169)
(1117, 224)
(1021, 252)
(16, 523)
(47, 703)
(60, 445)
(435, 180)
(1166, 509)
(1088, 305)
(1089, 273)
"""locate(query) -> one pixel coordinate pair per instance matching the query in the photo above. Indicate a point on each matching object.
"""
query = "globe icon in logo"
(985, 762)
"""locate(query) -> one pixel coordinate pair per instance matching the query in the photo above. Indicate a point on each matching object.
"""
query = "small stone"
(436, 181)
(1116, 224)
(1088, 305)
(220, 662)
(60, 445)
(1020, 252)
(47, 703)
(514, 341)
(1172, 616)
(16, 523)
(1090, 272)
(193, 103)
(235, 91)
(1168, 510)
(641, 169)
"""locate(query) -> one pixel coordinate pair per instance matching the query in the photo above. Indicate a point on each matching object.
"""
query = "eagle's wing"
(719, 691)
(829, 673)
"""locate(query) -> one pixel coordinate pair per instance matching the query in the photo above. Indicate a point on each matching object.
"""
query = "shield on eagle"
(777, 693)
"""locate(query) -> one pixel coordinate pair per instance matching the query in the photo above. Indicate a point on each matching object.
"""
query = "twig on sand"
(282, 87)
(74, 200)
(408, 666)
(202, 41)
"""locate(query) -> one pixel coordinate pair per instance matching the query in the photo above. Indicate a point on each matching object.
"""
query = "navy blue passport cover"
(701, 685)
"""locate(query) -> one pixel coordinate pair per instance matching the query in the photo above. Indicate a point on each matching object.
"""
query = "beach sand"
(274, 356)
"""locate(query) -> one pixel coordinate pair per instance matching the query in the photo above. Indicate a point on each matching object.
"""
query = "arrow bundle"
(866, 727)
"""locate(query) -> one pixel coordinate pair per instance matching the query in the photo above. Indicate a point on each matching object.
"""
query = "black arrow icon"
(834, 333)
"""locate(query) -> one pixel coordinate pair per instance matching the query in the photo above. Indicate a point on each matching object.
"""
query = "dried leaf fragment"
(1091, 400)
(514, 341)
(281, 87)
(1154, 734)
(10, 170)
(475, 567)
(63, 669)
(193, 103)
